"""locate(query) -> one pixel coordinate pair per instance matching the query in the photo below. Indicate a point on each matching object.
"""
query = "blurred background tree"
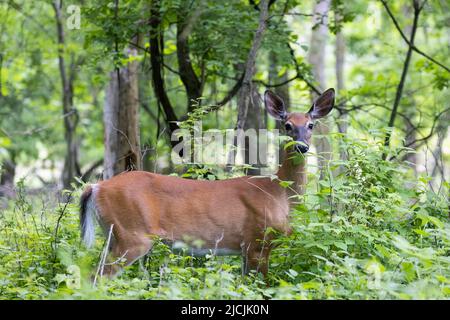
(84, 103)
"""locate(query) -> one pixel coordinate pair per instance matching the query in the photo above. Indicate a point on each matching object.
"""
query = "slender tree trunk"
(411, 132)
(246, 94)
(71, 167)
(442, 130)
(7, 175)
(121, 121)
(401, 84)
(255, 120)
(282, 91)
(156, 61)
(342, 122)
(188, 76)
(411, 136)
(149, 158)
(316, 58)
(438, 164)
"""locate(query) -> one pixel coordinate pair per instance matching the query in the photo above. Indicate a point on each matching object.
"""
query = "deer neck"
(293, 169)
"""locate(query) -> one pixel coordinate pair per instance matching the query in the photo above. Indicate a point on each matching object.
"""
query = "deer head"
(299, 126)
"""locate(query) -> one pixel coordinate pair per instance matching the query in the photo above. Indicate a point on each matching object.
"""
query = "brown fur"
(231, 214)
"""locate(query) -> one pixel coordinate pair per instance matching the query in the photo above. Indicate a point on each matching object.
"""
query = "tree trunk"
(282, 91)
(342, 122)
(121, 121)
(246, 94)
(7, 175)
(190, 80)
(401, 84)
(316, 58)
(156, 62)
(411, 136)
(411, 132)
(255, 120)
(71, 166)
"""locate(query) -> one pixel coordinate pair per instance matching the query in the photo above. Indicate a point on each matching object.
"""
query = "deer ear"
(275, 105)
(323, 105)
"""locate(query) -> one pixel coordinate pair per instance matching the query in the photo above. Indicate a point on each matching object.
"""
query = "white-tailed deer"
(228, 216)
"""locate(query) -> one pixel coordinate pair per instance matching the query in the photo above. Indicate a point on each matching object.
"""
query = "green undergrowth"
(374, 231)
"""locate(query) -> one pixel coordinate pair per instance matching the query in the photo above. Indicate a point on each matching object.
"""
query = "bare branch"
(432, 131)
(410, 44)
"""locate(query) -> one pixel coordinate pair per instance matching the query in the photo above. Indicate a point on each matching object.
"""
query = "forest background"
(89, 89)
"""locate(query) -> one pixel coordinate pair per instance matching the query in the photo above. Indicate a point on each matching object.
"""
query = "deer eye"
(288, 126)
(311, 125)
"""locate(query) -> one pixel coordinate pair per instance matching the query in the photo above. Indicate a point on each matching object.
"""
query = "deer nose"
(302, 148)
